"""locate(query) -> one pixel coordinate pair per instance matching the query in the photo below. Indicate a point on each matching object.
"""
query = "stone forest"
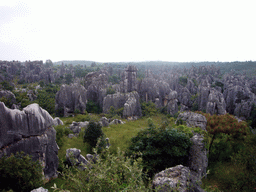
(142, 126)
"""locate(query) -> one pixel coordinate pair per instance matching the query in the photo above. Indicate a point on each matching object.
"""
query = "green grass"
(119, 135)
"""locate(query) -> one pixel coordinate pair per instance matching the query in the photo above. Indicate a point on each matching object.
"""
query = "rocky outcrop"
(104, 122)
(31, 131)
(40, 189)
(178, 178)
(57, 121)
(129, 101)
(8, 95)
(70, 98)
(75, 158)
(198, 160)
(129, 79)
(193, 119)
(216, 103)
(172, 106)
(75, 127)
(239, 100)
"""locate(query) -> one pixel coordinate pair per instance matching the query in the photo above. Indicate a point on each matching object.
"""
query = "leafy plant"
(183, 81)
(148, 108)
(61, 131)
(109, 173)
(93, 133)
(19, 173)
(160, 148)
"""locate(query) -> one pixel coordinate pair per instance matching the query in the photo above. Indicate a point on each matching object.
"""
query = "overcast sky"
(132, 30)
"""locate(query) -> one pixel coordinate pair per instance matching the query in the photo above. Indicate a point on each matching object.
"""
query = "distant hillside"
(75, 62)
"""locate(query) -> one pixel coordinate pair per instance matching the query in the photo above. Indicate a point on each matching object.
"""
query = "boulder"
(75, 127)
(84, 124)
(70, 98)
(116, 121)
(104, 122)
(176, 178)
(75, 158)
(129, 79)
(40, 189)
(193, 119)
(30, 130)
(8, 95)
(57, 121)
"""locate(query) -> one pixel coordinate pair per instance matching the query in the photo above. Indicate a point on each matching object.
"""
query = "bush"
(61, 131)
(160, 148)
(19, 173)
(110, 90)
(93, 133)
(183, 81)
(111, 173)
(92, 107)
(148, 108)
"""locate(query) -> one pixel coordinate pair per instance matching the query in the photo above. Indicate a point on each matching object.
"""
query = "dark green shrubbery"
(19, 173)
(92, 107)
(183, 81)
(160, 148)
(148, 108)
(92, 133)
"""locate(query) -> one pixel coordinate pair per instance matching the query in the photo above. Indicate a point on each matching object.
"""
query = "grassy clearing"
(119, 135)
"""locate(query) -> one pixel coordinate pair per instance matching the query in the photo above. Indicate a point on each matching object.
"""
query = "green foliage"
(226, 134)
(160, 148)
(183, 81)
(252, 117)
(114, 79)
(46, 98)
(148, 108)
(114, 113)
(92, 107)
(61, 131)
(6, 101)
(111, 173)
(93, 133)
(19, 173)
(6, 86)
(68, 78)
(110, 90)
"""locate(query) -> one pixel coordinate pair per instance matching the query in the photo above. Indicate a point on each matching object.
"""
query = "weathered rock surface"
(193, 119)
(75, 158)
(70, 98)
(31, 131)
(104, 122)
(8, 95)
(216, 103)
(40, 189)
(129, 79)
(198, 161)
(116, 121)
(57, 121)
(129, 101)
(75, 127)
(176, 178)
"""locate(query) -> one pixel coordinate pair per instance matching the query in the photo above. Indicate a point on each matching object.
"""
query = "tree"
(93, 133)
(159, 148)
(227, 124)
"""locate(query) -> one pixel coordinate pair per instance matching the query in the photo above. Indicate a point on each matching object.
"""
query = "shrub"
(148, 108)
(93, 133)
(160, 148)
(111, 173)
(183, 81)
(110, 90)
(92, 107)
(61, 131)
(19, 173)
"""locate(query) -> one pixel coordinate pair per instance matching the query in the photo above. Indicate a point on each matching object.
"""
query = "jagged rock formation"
(40, 189)
(216, 103)
(8, 95)
(178, 178)
(193, 119)
(129, 101)
(75, 158)
(75, 127)
(71, 97)
(57, 121)
(31, 131)
(129, 79)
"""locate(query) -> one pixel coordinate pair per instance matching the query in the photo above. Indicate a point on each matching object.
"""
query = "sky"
(128, 30)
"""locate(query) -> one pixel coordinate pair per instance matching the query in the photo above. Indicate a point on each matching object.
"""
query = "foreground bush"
(19, 173)
(61, 131)
(160, 148)
(110, 173)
